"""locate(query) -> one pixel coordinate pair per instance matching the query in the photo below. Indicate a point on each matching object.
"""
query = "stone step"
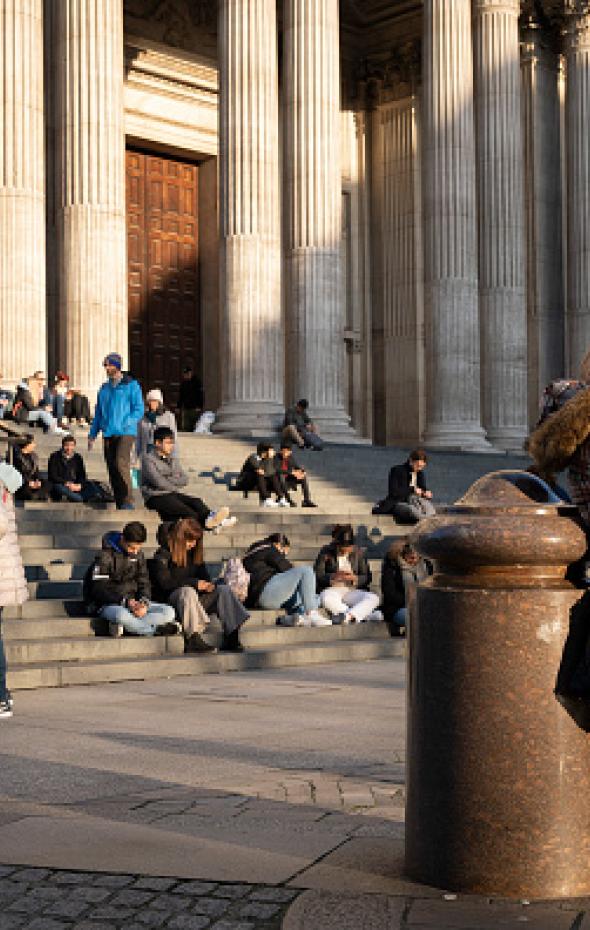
(89, 648)
(57, 674)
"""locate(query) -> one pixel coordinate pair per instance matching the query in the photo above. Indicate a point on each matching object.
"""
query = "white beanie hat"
(10, 477)
(155, 394)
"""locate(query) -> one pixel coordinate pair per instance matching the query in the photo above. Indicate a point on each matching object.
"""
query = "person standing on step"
(119, 408)
(292, 475)
(117, 587)
(180, 577)
(155, 415)
(162, 477)
(343, 579)
(67, 475)
(190, 399)
(259, 472)
(276, 583)
(408, 499)
(13, 586)
(298, 427)
(26, 462)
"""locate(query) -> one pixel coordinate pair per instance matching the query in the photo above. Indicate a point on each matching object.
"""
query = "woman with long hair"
(179, 577)
(276, 583)
(344, 576)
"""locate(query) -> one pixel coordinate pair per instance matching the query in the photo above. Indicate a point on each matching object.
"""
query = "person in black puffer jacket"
(180, 578)
(275, 582)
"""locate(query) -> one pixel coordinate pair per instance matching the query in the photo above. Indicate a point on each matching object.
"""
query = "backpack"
(237, 578)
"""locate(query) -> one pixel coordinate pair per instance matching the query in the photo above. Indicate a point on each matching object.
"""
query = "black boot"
(196, 643)
(231, 642)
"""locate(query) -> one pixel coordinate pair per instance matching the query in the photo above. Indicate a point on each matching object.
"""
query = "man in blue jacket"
(119, 407)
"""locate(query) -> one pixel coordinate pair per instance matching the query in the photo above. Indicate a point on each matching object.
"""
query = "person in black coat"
(180, 578)
(259, 472)
(26, 461)
(402, 570)
(190, 399)
(292, 474)
(408, 498)
(276, 583)
(67, 475)
(343, 578)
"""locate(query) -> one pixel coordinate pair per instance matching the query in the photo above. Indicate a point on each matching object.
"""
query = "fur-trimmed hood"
(554, 442)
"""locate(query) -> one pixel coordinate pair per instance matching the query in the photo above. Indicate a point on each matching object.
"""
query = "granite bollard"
(498, 773)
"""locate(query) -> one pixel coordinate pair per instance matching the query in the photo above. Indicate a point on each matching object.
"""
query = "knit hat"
(113, 358)
(155, 394)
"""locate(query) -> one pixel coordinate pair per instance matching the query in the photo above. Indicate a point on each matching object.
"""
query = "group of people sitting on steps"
(173, 592)
(270, 473)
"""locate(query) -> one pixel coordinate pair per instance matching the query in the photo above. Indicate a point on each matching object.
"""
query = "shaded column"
(251, 315)
(22, 193)
(90, 187)
(450, 233)
(502, 304)
(578, 191)
(315, 318)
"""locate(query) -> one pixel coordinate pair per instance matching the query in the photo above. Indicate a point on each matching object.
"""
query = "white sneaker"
(216, 518)
(115, 629)
(226, 524)
(304, 619)
(269, 502)
(319, 619)
(284, 502)
(375, 617)
(58, 431)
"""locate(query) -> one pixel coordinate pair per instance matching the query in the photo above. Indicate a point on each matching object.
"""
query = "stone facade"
(392, 205)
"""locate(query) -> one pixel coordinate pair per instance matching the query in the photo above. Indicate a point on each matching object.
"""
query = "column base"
(462, 437)
(249, 418)
(333, 424)
(508, 438)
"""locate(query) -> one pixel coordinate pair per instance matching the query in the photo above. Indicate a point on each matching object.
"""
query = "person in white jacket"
(13, 586)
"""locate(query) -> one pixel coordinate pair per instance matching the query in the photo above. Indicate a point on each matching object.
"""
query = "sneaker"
(231, 642)
(339, 619)
(308, 504)
(196, 644)
(304, 619)
(269, 502)
(172, 628)
(59, 431)
(319, 619)
(292, 503)
(375, 617)
(5, 709)
(284, 502)
(288, 620)
(225, 524)
(115, 629)
(216, 518)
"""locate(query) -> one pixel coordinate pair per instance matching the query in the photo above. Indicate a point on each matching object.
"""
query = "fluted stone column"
(313, 203)
(502, 298)
(578, 191)
(450, 234)
(251, 315)
(90, 189)
(22, 197)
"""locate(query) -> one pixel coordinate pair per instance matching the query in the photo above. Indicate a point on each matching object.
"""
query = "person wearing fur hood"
(561, 438)
(13, 586)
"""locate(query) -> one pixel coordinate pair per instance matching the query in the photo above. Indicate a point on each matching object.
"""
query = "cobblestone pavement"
(48, 899)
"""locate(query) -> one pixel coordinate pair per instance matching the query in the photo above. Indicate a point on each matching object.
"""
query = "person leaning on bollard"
(13, 587)
(119, 408)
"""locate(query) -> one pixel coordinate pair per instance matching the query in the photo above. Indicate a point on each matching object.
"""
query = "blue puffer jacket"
(119, 407)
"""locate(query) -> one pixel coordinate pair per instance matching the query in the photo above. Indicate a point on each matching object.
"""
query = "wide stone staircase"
(50, 641)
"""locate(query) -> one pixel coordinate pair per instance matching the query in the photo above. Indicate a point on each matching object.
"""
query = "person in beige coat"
(13, 586)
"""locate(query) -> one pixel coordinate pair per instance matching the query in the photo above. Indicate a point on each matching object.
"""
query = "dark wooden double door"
(163, 269)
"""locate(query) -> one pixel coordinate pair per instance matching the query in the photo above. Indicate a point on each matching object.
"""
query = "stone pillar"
(501, 222)
(90, 188)
(450, 233)
(578, 191)
(22, 197)
(251, 314)
(314, 305)
(543, 200)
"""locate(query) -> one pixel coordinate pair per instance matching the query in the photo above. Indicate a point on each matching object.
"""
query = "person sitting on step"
(155, 415)
(276, 583)
(67, 475)
(26, 461)
(180, 577)
(343, 579)
(402, 570)
(162, 477)
(292, 474)
(117, 587)
(259, 472)
(408, 499)
(298, 427)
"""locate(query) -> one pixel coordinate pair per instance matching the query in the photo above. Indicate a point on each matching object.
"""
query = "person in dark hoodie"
(67, 475)
(180, 577)
(402, 570)
(119, 408)
(117, 587)
(26, 461)
(276, 583)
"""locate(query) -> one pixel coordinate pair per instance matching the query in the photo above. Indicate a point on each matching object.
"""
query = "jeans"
(59, 406)
(3, 691)
(341, 600)
(157, 615)
(88, 492)
(400, 617)
(303, 437)
(44, 417)
(296, 587)
(117, 454)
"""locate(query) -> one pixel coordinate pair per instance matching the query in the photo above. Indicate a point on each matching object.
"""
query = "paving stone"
(11, 921)
(153, 918)
(66, 908)
(31, 875)
(113, 881)
(45, 923)
(195, 888)
(44, 893)
(259, 909)
(94, 925)
(154, 884)
(233, 925)
(26, 905)
(107, 913)
(189, 922)
(130, 898)
(6, 870)
(71, 878)
(232, 891)
(170, 902)
(91, 895)
(274, 895)
(214, 907)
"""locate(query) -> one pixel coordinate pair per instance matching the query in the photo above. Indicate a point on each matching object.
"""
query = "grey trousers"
(415, 510)
(192, 609)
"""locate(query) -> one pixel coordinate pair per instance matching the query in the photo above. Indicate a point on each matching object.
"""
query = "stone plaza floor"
(234, 802)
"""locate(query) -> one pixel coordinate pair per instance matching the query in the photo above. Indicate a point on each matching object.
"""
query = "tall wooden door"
(162, 247)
